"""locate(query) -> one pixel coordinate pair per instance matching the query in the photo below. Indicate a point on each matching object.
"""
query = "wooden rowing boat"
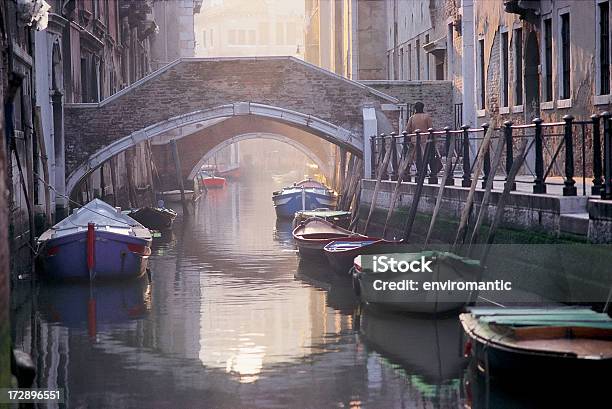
(312, 235)
(341, 253)
(505, 341)
(154, 218)
(446, 267)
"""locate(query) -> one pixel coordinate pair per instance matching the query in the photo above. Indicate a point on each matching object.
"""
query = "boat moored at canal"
(341, 253)
(154, 218)
(95, 241)
(314, 234)
(338, 217)
(305, 195)
(550, 341)
(385, 287)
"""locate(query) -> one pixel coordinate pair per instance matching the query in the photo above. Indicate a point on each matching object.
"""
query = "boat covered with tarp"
(95, 241)
(446, 268)
(305, 195)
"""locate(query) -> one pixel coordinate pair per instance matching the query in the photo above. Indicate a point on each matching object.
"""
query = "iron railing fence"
(557, 152)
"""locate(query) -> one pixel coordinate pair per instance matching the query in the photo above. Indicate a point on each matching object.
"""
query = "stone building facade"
(345, 36)
(542, 59)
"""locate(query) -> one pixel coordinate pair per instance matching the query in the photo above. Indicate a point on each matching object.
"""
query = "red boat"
(212, 182)
(312, 235)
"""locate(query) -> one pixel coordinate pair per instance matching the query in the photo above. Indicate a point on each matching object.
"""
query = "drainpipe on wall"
(468, 62)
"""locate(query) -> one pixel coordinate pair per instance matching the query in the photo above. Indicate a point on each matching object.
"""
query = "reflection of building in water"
(179, 315)
(250, 28)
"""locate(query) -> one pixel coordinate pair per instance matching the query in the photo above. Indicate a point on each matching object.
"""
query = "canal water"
(234, 319)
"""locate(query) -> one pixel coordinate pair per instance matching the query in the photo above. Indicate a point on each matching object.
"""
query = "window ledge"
(547, 105)
(480, 113)
(602, 99)
(517, 109)
(564, 103)
(504, 110)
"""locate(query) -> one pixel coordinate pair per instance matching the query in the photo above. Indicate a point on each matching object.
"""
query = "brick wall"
(436, 95)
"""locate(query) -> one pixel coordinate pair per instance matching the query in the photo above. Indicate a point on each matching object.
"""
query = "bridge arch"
(309, 123)
(323, 166)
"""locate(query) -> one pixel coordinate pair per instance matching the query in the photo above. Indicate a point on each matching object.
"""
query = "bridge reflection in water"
(234, 319)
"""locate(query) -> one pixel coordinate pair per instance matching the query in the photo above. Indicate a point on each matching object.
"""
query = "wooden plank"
(405, 162)
(484, 204)
(418, 191)
(465, 213)
(381, 170)
(447, 170)
(501, 203)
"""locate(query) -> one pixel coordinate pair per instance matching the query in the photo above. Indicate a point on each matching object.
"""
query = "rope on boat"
(76, 203)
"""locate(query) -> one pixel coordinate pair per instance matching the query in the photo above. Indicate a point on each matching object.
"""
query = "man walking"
(422, 121)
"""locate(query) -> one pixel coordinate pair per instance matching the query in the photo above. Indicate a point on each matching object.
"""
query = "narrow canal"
(233, 319)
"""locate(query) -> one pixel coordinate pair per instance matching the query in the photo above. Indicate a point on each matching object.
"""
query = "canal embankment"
(535, 246)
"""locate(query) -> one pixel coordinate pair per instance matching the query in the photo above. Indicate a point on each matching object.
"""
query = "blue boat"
(95, 241)
(305, 195)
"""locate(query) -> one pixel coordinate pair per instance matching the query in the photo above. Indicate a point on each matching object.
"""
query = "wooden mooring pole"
(179, 177)
(467, 207)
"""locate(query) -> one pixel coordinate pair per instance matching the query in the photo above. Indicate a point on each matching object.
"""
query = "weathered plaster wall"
(436, 95)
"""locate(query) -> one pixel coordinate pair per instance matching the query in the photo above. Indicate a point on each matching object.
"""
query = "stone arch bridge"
(203, 103)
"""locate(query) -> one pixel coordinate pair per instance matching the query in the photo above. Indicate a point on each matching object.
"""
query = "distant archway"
(324, 167)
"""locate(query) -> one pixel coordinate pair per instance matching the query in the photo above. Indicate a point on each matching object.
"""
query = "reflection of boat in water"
(77, 305)
(282, 232)
(426, 346)
(340, 295)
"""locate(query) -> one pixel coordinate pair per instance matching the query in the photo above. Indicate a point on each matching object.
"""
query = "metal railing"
(567, 149)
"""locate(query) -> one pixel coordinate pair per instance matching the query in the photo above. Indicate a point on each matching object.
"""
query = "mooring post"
(433, 174)
(597, 172)
(383, 151)
(372, 156)
(569, 188)
(487, 159)
(405, 150)
(467, 177)
(509, 151)
(538, 184)
(606, 193)
(450, 150)
(394, 172)
(179, 177)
